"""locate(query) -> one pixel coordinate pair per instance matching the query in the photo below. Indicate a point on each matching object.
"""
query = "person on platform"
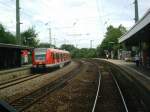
(137, 60)
(107, 55)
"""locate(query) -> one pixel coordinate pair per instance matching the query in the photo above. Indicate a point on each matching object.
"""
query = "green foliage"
(29, 38)
(46, 45)
(79, 53)
(87, 53)
(67, 47)
(110, 42)
(6, 36)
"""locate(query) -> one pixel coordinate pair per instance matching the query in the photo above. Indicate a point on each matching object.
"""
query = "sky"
(82, 23)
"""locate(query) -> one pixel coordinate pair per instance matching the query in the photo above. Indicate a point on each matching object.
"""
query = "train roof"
(58, 50)
(52, 49)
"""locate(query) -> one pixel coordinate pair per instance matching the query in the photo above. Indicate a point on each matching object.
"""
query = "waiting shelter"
(137, 39)
(10, 55)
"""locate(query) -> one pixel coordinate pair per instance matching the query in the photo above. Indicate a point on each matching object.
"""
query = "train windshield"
(40, 54)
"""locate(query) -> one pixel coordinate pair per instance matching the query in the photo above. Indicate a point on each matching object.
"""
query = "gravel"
(14, 92)
(77, 96)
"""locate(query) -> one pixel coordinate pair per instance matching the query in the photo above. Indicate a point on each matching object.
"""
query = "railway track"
(109, 97)
(18, 80)
(28, 100)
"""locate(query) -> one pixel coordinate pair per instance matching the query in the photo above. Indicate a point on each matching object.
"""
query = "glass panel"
(40, 57)
(40, 54)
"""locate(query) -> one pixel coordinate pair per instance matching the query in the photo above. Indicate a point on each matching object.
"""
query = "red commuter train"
(47, 57)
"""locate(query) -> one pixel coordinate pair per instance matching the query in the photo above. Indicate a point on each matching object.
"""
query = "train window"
(61, 56)
(52, 55)
(57, 55)
(40, 57)
(40, 54)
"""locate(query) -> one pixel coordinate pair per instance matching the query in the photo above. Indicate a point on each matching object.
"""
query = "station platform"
(137, 74)
(131, 65)
(139, 77)
(4, 71)
(14, 73)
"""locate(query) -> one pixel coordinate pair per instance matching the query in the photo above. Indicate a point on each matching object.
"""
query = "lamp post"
(111, 50)
(50, 33)
(91, 43)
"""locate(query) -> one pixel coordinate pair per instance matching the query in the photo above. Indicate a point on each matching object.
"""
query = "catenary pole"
(18, 23)
(50, 40)
(136, 11)
(91, 43)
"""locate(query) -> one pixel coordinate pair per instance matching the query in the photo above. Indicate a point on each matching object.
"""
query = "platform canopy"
(3, 45)
(140, 31)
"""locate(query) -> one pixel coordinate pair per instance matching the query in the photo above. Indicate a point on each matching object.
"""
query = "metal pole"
(136, 11)
(18, 23)
(55, 41)
(91, 43)
(50, 40)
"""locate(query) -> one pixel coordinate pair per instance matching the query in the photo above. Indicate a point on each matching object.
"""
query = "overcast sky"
(71, 21)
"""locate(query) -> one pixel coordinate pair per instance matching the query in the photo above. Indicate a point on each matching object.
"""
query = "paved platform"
(138, 76)
(131, 65)
(141, 76)
(16, 69)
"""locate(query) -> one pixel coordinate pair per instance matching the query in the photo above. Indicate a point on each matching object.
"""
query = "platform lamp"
(50, 32)
(111, 51)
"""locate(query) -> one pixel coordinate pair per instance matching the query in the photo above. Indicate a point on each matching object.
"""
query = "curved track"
(26, 101)
(109, 96)
(18, 80)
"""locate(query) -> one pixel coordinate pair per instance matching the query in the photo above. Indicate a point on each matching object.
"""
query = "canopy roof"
(141, 24)
(14, 46)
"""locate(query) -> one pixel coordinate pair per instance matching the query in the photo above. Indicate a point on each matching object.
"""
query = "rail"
(118, 89)
(17, 81)
(28, 100)
(98, 87)
(139, 83)
(122, 97)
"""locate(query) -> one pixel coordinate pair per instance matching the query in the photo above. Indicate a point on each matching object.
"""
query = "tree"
(6, 36)
(110, 42)
(67, 47)
(79, 53)
(70, 48)
(46, 45)
(87, 53)
(29, 37)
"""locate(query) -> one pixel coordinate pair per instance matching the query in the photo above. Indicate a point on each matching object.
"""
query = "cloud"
(62, 14)
(74, 3)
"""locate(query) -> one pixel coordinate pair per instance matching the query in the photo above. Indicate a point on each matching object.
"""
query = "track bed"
(109, 99)
(76, 96)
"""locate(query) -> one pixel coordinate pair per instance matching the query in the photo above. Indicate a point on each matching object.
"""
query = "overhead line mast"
(18, 23)
(50, 38)
(136, 11)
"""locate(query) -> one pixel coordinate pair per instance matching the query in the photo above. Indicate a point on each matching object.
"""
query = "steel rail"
(97, 93)
(28, 100)
(122, 97)
(17, 81)
(9, 81)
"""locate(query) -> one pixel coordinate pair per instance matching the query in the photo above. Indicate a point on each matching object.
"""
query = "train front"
(39, 58)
